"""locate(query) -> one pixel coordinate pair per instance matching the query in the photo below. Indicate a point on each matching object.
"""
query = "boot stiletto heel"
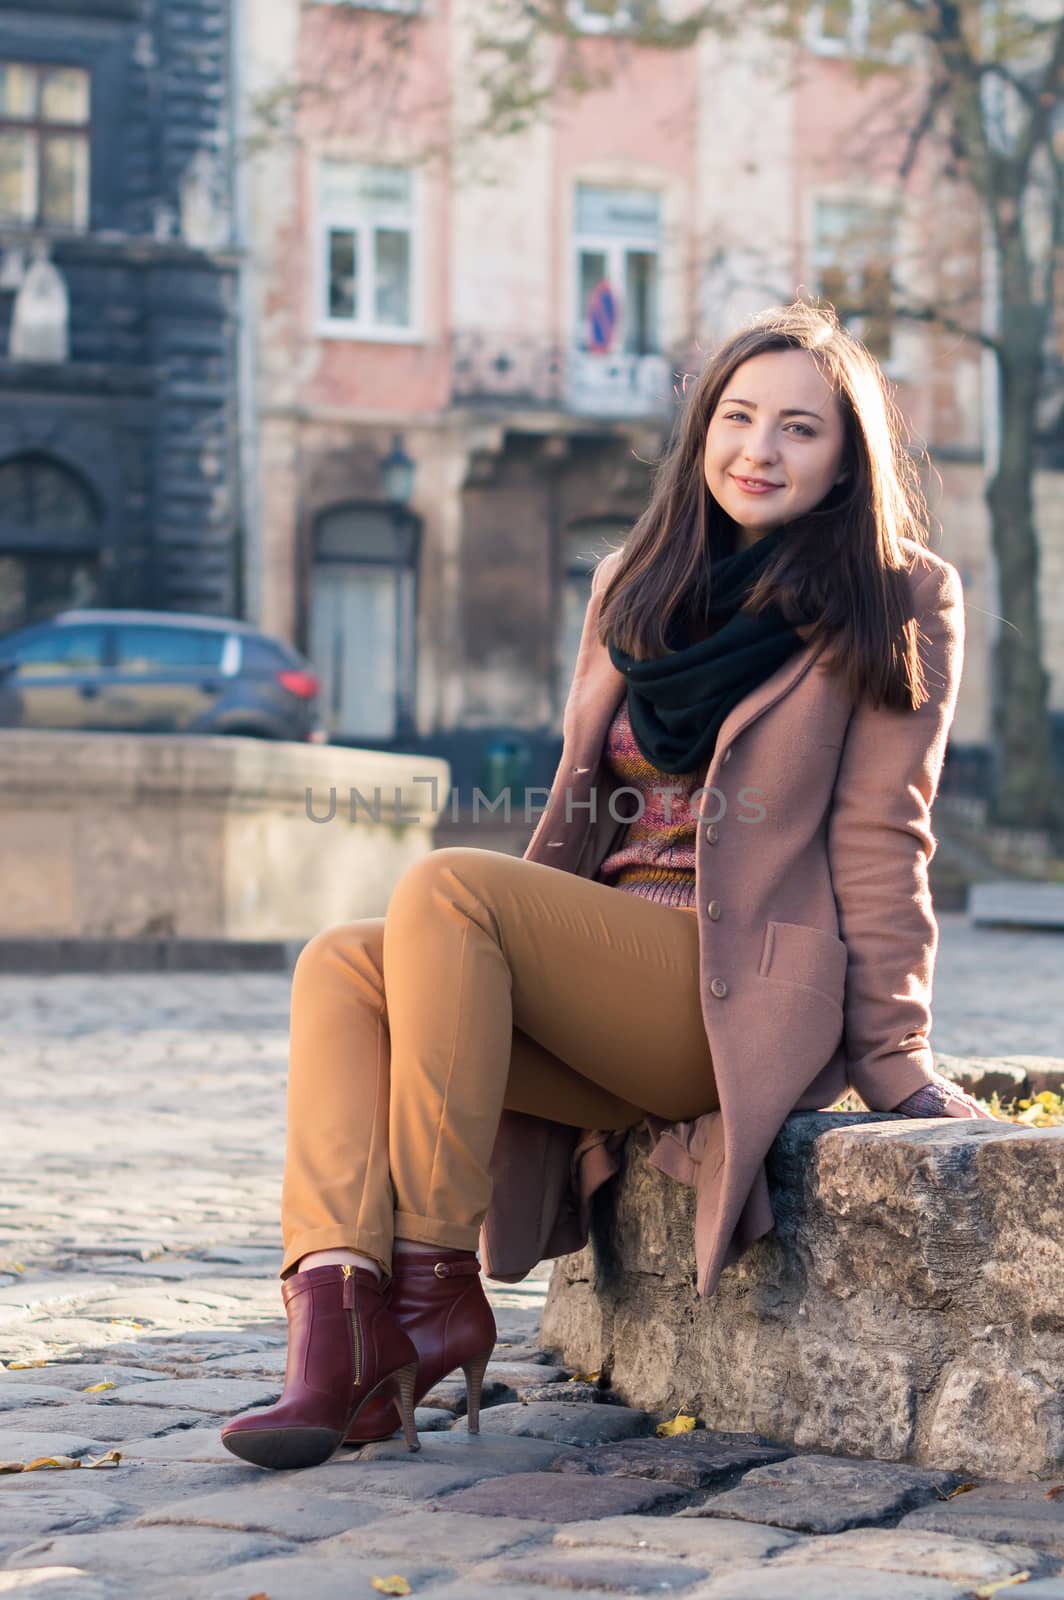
(436, 1297)
(473, 1372)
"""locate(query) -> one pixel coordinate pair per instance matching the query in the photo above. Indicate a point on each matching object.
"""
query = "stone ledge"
(50, 957)
(178, 836)
(909, 1303)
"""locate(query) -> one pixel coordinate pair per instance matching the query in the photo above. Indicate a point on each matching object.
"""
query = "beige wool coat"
(816, 930)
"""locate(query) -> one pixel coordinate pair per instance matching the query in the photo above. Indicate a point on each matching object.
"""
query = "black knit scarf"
(677, 703)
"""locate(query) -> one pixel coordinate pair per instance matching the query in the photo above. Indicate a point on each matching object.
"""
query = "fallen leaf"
(681, 1423)
(585, 1377)
(24, 1366)
(10, 1466)
(97, 1388)
(51, 1464)
(962, 1488)
(986, 1590)
(1057, 1489)
(111, 1459)
(11, 1266)
(393, 1585)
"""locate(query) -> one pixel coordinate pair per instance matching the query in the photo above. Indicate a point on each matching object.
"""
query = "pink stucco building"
(518, 313)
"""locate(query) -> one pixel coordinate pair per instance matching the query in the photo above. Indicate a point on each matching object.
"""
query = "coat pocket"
(793, 952)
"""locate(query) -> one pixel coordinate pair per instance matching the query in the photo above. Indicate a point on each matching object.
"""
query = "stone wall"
(909, 1303)
(158, 835)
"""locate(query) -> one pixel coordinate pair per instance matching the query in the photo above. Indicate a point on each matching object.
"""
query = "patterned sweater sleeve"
(941, 1098)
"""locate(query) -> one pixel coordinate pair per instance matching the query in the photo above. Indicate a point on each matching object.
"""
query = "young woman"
(723, 915)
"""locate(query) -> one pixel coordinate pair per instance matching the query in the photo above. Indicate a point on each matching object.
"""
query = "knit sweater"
(656, 858)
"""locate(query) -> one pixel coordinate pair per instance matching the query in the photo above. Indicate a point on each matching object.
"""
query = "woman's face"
(774, 445)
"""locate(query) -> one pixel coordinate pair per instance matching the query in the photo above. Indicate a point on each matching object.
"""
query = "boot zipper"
(348, 1303)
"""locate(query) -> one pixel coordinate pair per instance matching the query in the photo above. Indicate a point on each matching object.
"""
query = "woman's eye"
(742, 416)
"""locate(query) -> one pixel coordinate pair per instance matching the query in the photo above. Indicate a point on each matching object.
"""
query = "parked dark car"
(156, 672)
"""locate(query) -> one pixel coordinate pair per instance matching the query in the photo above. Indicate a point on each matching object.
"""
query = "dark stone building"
(119, 281)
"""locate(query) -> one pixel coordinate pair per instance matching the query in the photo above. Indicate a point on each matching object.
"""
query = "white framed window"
(870, 28)
(617, 263)
(44, 145)
(853, 252)
(601, 16)
(366, 260)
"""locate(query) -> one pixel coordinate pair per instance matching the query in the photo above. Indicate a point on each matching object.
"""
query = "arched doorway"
(362, 619)
(50, 531)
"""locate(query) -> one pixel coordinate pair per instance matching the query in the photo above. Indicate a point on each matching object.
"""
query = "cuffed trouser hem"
(426, 1230)
(338, 1237)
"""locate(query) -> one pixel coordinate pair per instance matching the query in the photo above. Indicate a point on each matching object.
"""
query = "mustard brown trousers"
(491, 982)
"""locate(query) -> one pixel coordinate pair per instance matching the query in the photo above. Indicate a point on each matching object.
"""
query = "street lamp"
(397, 474)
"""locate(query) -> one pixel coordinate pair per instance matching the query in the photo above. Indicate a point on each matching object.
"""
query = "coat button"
(719, 988)
(713, 833)
(714, 910)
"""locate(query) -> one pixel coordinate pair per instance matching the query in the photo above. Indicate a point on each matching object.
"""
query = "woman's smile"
(755, 485)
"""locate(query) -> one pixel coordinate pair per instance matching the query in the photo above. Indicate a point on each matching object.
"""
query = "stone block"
(431, 1419)
(962, 1561)
(825, 1583)
(710, 1543)
(1008, 1513)
(18, 1397)
(624, 1573)
(826, 1494)
(113, 1424)
(488, 1455)
(76, 1376)
(570, 1393)
(698, 1460)
(567, 1424)
(908, 1304)
(47, 1506)
(458, 1537)
(450, 1395)
(550, 1497)
(123, 1556)
(313, 1507)
(224, 1396)
(312, 1575)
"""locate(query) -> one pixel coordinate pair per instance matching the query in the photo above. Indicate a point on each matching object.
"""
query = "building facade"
(119, 282)
(514, 317)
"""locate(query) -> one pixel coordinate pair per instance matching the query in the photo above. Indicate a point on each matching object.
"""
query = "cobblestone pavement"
(139, 1185)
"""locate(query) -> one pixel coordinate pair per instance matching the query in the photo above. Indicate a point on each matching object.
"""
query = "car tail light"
(302, 684)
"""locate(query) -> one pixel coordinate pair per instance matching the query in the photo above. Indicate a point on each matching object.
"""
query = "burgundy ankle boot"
(438, 1299)
(344, 1350)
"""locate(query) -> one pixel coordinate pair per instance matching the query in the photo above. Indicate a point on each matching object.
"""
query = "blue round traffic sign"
(601, 316)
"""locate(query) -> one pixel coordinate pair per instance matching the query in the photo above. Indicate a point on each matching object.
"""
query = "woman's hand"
(941, 1098)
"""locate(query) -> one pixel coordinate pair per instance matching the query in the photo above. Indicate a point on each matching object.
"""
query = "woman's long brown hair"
(843, 564)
